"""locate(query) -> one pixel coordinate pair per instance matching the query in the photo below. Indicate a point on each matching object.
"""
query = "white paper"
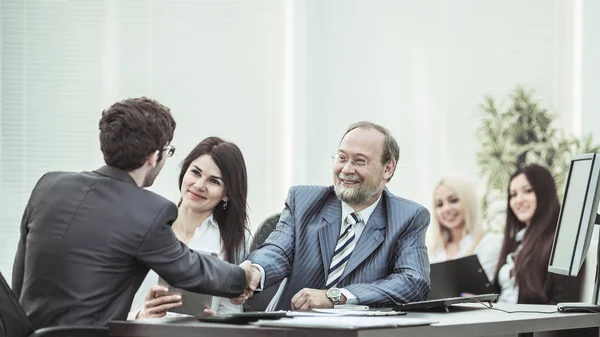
(345, 322)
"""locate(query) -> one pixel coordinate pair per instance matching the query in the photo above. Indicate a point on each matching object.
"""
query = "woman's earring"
(224, 204)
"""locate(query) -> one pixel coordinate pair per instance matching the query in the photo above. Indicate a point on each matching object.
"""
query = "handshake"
(253, 277)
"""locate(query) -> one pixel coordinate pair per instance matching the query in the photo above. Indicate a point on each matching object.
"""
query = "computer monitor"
(578, 215)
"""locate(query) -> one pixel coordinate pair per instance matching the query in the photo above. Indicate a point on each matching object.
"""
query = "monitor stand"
(582, 306)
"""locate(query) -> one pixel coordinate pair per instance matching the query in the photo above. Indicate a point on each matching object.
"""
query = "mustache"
(354, 177)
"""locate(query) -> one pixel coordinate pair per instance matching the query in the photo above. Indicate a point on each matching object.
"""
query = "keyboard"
(444, 303)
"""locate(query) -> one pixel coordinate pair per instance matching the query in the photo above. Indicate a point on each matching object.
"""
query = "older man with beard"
(351, 243)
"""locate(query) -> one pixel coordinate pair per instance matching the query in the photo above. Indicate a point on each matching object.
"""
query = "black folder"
(242, 317)
(453, 278)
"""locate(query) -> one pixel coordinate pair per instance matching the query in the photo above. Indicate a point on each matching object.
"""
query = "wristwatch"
(334, 294)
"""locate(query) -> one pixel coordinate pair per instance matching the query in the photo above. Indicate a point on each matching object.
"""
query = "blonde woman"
(455, 229)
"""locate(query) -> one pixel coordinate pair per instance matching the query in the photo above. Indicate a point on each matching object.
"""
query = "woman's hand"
(158, 302)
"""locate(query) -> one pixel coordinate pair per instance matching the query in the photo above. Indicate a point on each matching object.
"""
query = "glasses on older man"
(170, 150)
(343, 159)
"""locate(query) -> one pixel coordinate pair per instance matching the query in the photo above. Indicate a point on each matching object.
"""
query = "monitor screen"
(577, 216)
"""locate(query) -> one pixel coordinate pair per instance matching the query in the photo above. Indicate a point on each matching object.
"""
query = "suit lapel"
(329, 232)
(371, 237)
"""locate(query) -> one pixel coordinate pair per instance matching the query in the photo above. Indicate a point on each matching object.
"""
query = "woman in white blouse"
(531, 217)
(455, 229)
(212, 218)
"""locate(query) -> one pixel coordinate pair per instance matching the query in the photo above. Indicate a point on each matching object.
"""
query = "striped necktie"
(343, 250)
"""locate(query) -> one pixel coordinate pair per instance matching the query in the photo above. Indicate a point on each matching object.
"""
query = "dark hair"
(233, 221)
(391, 150)
(531, 263)
(132, 129)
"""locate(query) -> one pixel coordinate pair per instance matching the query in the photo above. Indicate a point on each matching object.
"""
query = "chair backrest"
(71, 331)
(13, 320)
(260, 300)
(264, 230)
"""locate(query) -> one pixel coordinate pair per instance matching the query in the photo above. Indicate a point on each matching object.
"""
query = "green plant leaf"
(519, 135)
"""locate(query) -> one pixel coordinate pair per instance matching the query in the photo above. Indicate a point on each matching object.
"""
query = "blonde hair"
(465, 192)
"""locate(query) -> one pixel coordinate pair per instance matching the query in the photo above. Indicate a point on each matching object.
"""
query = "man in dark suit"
(88, 239)
(354, 242)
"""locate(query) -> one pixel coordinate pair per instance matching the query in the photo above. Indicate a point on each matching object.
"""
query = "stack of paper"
(343, 312)
(344, 322)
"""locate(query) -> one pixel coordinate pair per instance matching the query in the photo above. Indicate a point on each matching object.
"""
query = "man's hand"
(253, 277)
(158, 302)
(256, 277)
(311, 298)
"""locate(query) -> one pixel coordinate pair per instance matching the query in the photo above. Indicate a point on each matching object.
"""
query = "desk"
(469, 320)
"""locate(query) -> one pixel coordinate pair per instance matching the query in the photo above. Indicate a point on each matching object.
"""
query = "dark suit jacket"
(13, 321)
(87, 242)
(389, 264)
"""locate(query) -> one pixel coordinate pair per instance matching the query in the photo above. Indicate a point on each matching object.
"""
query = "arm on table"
(409, 280)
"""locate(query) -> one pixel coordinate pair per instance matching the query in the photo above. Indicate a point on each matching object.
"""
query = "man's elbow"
(419, 289)
(425, 287)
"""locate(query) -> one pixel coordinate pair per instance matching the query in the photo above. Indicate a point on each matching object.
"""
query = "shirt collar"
(116, 173)
(210, 221)
(520, 234)
(365, 213)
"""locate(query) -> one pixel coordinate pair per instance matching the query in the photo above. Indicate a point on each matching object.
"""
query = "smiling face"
(202, 187)
(360, 186)
(523, 201)
(449, 209)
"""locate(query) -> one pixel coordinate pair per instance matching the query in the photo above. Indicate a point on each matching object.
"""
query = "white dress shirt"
(487, 251)
(206, 239)
(509, 290)
(358, 229)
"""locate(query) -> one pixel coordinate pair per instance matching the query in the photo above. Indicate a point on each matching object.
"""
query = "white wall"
(422, 68)
(591, 68)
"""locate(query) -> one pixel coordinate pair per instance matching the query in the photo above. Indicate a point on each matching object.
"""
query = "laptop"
(444, 303)
(450, 281)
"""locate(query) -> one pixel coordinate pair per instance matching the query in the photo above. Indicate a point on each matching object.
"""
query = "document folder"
(193, 303)
(455, 278)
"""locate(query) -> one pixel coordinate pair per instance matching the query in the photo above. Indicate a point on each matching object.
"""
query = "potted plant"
(521, 134)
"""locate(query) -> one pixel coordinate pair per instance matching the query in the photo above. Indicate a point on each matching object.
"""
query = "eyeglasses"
(342, 159)
(170, 150)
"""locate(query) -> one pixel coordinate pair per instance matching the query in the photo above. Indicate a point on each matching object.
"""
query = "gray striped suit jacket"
(389, 264)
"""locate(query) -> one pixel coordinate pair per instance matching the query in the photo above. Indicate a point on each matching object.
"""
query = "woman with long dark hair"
(532, 214)
(212, 218)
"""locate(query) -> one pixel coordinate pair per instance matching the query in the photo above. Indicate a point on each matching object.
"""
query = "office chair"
(264, 230)
(71, 331)
(15, 323)
(260, 300)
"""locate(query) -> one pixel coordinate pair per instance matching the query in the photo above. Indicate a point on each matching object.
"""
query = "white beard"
(354, 196)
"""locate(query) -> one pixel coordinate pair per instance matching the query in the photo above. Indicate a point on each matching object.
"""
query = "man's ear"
(152, 159)
(388, 169)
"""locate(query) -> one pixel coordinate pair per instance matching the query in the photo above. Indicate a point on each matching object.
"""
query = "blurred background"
(468, 87)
